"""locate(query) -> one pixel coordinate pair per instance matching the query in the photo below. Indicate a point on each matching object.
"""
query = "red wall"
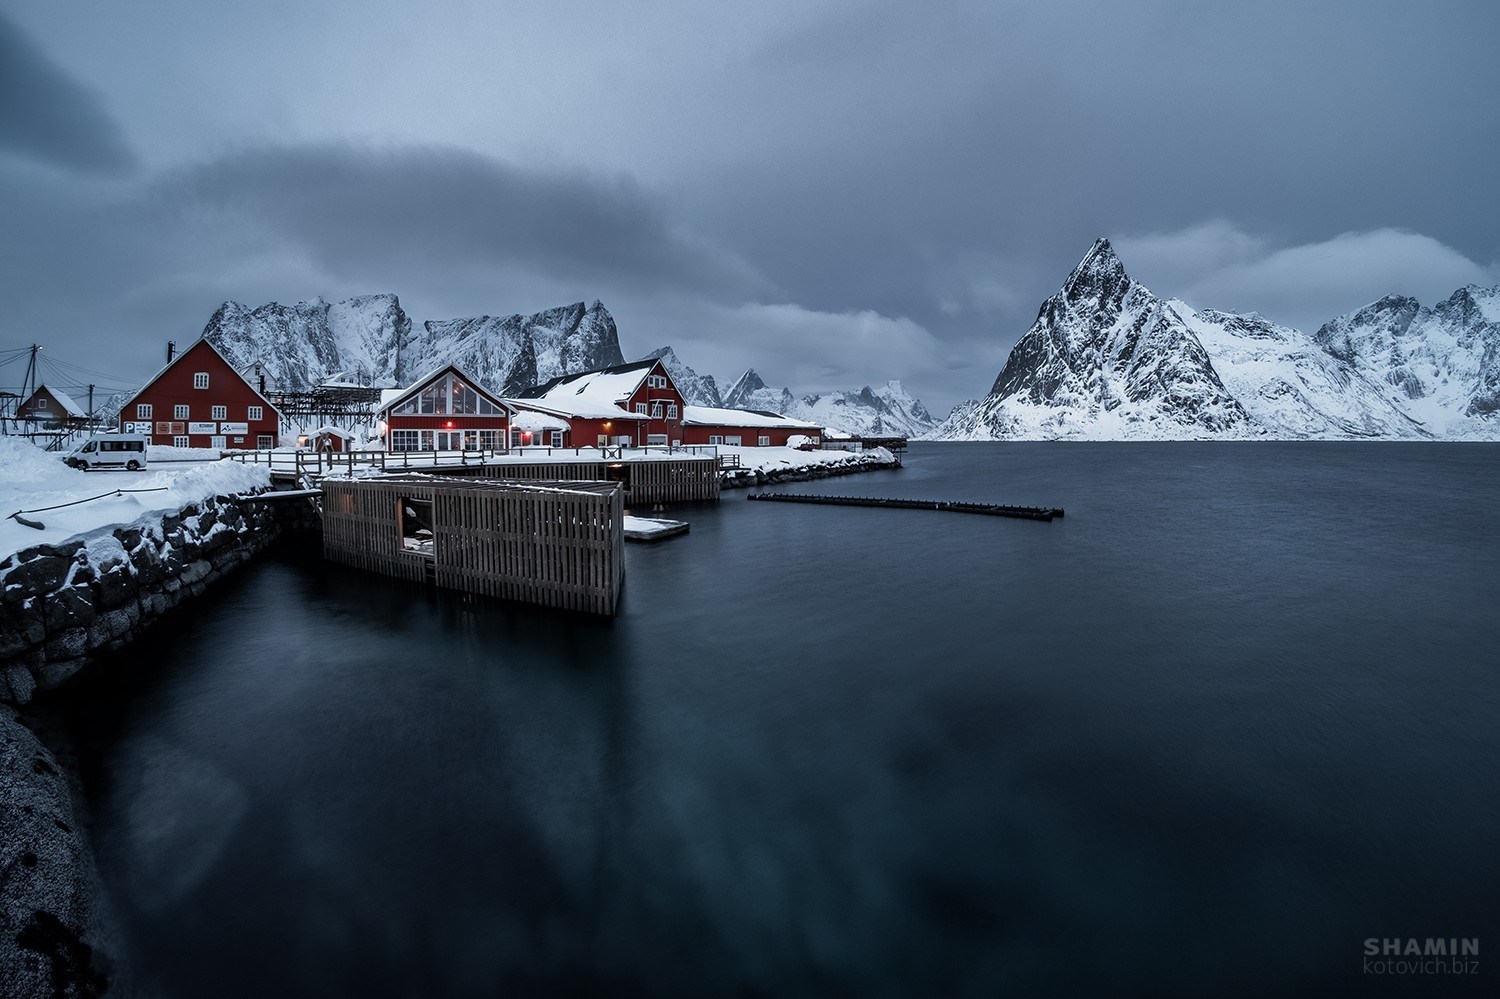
(749, 436)
(225, 388)
(673, 429)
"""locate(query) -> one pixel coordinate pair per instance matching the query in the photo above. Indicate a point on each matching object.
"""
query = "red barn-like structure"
(628, 404)
(200, 400)
(445, 411)
(744, 427)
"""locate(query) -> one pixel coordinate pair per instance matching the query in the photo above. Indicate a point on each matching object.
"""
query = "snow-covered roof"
(335, 431)
(589, 394)
(710, 416)
(63, 399)
(526, 419)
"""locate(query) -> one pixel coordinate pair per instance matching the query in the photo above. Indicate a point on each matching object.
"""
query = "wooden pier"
(555, 543)
(683, 479)
(988, 509)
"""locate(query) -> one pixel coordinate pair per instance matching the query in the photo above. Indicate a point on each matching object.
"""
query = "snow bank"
(31, 478)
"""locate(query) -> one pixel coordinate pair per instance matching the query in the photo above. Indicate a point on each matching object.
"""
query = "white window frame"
(218, 412)
(264, 442)
(763, 441)
(254, 413)
(405, 440)
(182, 441)
(671, 410)
(656, 410)
(515, 437)
(143, 411)
(179, 412)
(656, 440)
(556, 438)
(733, 440)
(219, 441)
(716, 438)
(200, 379)
(640, 407)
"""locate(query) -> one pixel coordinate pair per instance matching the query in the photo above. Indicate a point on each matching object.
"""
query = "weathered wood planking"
(557, 544)
(676, 480)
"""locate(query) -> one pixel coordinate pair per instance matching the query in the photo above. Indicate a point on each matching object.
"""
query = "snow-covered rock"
(1108, 360)
(371, 340)
(887, 411)
(1439, 366)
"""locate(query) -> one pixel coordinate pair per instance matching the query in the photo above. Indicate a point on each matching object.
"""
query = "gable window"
(218, 413)
(200, 379)
(255, 413)
(179, 412)
(143, 411)
(448, 395)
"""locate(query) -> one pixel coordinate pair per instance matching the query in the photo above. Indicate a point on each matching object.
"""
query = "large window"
(733, 440)
(449, 395)
(404, 440)
(265, 442)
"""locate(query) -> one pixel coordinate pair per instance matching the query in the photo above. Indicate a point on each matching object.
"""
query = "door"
(450, 440)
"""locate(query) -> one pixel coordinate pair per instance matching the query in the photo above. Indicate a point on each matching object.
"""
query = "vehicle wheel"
(133, 465)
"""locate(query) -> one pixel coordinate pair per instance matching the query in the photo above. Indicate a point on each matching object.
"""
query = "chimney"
(171, 350)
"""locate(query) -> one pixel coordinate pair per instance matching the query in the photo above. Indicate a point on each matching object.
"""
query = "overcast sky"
(833, 193)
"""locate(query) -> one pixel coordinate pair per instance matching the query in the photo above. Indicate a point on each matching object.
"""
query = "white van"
(110, 451)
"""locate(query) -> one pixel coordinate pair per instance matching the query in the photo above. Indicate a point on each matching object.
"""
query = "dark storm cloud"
(411, 213)
(48, 116)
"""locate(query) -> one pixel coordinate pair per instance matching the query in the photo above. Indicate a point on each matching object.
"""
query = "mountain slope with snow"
(371, 340)
(887, 411)
(696, 389)
(1108, 360)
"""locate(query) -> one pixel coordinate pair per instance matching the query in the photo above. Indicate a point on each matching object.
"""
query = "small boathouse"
(555, 543)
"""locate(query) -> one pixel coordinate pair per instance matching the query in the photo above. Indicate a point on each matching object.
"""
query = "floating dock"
(652, 528)
(987, 509)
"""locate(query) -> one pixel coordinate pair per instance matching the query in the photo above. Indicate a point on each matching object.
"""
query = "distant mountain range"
(370, 340)
(1108, 360)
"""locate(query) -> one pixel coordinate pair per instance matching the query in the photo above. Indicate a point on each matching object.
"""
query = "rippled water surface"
(1234, 714)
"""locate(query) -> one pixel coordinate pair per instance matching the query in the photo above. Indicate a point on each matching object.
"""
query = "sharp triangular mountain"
(1107, 359)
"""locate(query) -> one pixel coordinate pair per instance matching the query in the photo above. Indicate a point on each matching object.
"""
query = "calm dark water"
(1236, 713)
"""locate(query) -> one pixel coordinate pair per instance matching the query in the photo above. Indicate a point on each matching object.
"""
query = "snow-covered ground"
(31, 478)
(777, 459)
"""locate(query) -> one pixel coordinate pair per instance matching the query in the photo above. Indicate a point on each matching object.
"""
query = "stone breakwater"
(65, 604)
(857, 461)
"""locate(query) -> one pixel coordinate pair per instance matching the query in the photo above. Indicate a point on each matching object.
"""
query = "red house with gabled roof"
(630, 404)
(445, 410)
(200, 400)
(51, 408)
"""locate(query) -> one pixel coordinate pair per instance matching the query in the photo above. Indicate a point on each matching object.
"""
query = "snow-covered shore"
(761, 465)
(33, 479)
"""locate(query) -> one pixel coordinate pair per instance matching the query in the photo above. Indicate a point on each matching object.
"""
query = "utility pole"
(91, 402)
(28, 383)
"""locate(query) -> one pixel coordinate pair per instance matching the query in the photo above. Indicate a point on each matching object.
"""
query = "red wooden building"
(200, 400)
(51, 408)
(628, 404)
(744, 427)
(445, 411)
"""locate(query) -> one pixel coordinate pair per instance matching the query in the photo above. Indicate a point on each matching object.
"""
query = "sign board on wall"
(234, 428)
(203, 428)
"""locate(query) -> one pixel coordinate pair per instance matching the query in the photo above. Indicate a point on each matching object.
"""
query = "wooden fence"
(665, 480)
(558, 544)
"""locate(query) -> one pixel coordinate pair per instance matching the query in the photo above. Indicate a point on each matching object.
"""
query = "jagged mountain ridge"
(371, 339)
(1106, 359)
(887, 411)
(696, 389)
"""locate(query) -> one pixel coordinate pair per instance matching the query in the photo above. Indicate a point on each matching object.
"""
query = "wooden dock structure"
(987, 509)
(686, 479)
(554, 543)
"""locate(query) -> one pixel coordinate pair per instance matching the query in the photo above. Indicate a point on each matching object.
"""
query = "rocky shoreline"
(62, 608)
(858, 461)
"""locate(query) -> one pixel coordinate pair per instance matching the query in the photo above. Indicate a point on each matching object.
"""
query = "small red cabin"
(200, 400)
(445, 411)
(51, 408)
(743, 427)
